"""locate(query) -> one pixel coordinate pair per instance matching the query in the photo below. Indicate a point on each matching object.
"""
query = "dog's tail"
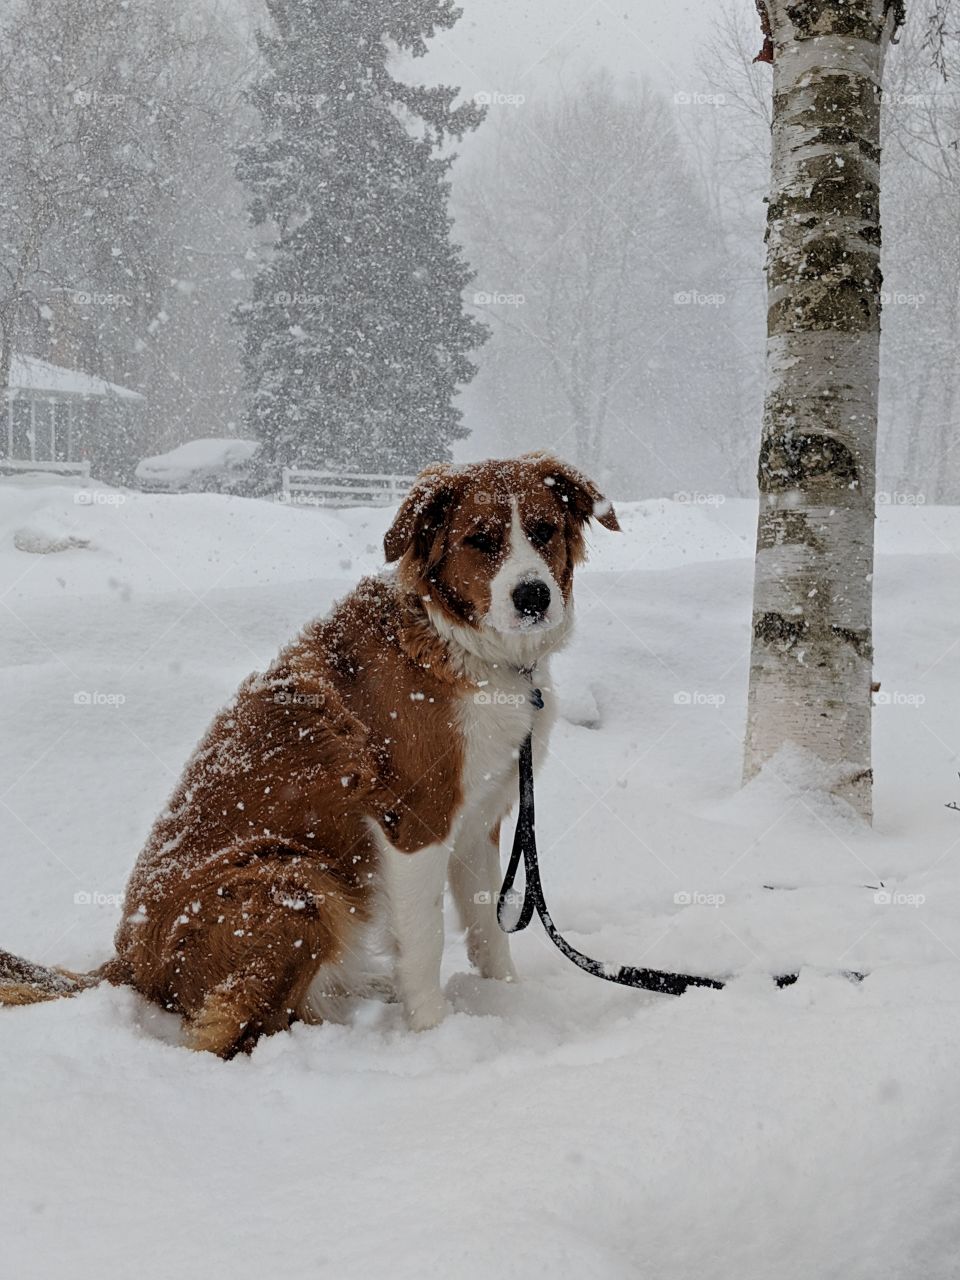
(23, 982)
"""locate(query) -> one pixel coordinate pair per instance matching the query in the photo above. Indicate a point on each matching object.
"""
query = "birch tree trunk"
(811, 658)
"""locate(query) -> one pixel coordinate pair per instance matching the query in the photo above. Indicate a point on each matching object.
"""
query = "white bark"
(811, 661)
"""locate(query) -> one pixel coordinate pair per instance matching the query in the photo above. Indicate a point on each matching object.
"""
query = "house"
(66, 421)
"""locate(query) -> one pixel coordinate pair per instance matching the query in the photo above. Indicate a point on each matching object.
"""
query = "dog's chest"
(494, 721)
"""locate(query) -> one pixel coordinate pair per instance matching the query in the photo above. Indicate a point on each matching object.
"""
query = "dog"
(373, 761)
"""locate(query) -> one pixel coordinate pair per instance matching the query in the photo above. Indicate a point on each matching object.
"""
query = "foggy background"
(611, 205)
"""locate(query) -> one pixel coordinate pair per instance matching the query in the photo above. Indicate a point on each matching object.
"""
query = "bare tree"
(920, 388)
(602, 280)
(115, 189)
(811, 659)
(918, 458)
(36, 185)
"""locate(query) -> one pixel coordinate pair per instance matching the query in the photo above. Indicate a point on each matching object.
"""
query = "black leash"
(525, 847)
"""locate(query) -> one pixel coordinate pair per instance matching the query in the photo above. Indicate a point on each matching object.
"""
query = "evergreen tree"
(356, 339)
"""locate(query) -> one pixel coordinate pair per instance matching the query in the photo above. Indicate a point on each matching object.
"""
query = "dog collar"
(536, 697)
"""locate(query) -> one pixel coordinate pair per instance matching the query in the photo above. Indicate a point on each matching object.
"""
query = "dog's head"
(491, 548)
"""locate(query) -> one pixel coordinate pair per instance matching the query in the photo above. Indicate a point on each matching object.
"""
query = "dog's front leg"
(414, 884)
(475, 884)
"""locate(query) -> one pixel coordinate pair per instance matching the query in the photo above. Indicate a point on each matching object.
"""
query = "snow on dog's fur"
(371, 763)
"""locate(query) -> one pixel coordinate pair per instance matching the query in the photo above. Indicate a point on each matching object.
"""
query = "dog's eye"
(488, 543)
(541, 533)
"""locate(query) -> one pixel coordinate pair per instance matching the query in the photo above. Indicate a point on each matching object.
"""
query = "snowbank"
(558, 1126)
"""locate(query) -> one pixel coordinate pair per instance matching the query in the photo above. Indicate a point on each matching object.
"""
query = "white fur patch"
(503, 657)
(413, 885)
(523, 563)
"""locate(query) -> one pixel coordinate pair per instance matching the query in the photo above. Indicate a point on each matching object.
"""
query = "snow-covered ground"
(562, 1126)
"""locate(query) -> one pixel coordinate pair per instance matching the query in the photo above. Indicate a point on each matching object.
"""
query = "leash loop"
(525, 848)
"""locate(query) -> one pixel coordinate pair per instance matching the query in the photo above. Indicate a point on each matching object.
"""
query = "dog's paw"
(382, 987)
(428, 1013)
(491, 957)
(499, 971)
(491, 961)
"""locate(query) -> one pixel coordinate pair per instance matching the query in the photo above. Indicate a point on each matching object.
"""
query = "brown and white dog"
(374, 760)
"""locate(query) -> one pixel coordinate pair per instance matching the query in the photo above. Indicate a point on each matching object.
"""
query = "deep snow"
(562, 1126)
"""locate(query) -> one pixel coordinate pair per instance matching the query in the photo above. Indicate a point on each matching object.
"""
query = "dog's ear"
(422, 513)
(576, 491)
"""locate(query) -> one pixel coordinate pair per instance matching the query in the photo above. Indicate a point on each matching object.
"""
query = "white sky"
(530, 47)
(526, 46)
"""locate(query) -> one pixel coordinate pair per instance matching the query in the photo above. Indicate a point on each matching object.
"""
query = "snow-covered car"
(200, 466)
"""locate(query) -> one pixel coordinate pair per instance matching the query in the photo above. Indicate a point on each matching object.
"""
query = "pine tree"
(356, 338)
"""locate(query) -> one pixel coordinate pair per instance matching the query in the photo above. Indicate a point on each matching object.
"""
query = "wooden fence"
(342, 489)
(17, 466)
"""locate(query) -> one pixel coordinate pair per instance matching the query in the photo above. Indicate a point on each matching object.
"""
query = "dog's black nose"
(532, 598)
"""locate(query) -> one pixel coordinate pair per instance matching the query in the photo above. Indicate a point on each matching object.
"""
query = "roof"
(27, 373)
